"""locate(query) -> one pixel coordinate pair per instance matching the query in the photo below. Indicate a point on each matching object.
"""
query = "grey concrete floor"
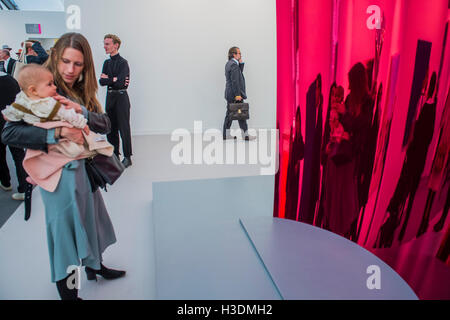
(23, 245)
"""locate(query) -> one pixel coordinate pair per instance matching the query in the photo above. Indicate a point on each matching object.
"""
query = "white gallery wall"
(12, 26)
(177, 50)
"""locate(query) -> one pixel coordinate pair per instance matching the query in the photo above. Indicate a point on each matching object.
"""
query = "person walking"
(234, 89)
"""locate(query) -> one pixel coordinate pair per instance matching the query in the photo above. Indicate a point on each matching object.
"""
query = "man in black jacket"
(115, 75)
(234, 88)
(8, 91)
(35, 52)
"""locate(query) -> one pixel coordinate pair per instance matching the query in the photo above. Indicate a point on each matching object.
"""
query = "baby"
(337, 99)
(35, 104)
(337, 130)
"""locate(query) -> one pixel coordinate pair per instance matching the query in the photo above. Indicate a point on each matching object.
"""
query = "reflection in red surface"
(328, 37)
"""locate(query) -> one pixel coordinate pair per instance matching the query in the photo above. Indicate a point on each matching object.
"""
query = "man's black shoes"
(127, 162)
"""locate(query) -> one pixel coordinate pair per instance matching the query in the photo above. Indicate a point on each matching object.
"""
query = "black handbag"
(238, 111)
(103, 170)
(341, 153)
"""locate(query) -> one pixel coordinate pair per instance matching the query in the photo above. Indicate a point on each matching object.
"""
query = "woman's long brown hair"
(84, 90)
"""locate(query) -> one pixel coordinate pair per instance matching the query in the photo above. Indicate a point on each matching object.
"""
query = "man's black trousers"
(18, 155)
(118, 110)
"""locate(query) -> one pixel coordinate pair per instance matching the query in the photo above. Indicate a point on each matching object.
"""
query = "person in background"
(9, 88)
(35, 53)
(234, 89)
(115, 75)
(357, 121)
(340, 193)
(8, 62)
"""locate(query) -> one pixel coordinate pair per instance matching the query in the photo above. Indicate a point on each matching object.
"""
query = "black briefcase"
(238, 111)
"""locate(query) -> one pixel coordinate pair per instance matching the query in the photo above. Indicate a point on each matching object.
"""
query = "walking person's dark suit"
(235, 86)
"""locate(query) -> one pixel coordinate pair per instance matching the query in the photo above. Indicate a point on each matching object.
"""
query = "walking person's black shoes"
(127, 162)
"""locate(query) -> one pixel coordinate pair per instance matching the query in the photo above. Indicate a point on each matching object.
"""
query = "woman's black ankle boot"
(64, 292)
(106, 273)
(91, 274)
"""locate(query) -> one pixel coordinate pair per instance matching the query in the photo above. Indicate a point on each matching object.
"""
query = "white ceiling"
(38, 5)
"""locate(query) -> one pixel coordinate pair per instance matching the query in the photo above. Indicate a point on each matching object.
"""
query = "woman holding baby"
(348, 123)
(78, 225)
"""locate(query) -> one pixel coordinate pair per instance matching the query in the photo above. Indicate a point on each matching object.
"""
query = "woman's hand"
(86, 129)
(345, 136)
(72, 134)
(339, 107)
(328, 148)
(68, 104)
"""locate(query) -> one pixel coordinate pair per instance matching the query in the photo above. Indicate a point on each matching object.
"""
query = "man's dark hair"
(233, 50)
(6, 51)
